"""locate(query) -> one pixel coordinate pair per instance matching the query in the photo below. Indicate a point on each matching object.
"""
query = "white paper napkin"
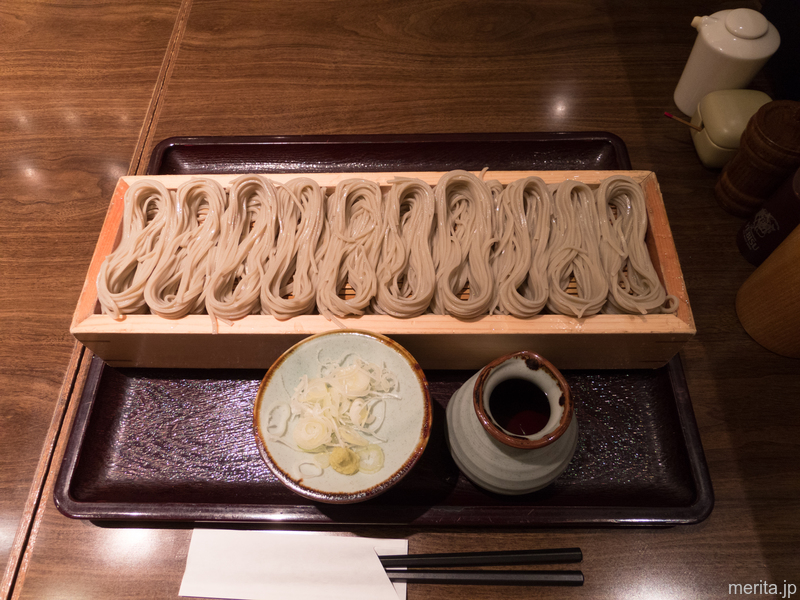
(259, 565)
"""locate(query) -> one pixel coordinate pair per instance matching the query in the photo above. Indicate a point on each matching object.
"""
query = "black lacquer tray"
(177, 445)
(168, 444)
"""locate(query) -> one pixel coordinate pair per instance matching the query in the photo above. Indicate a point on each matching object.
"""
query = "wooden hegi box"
(602, 341)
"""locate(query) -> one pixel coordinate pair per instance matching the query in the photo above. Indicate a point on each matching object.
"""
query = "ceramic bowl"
(403, 434)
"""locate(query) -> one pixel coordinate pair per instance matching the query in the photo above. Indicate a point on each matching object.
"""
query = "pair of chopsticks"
(418, 568)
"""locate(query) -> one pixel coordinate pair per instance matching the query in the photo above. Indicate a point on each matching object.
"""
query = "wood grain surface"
(316, 67)
(77, 83)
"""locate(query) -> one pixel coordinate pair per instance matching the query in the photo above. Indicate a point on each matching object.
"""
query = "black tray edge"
(64, 502)
(704, 503)
(157, 155)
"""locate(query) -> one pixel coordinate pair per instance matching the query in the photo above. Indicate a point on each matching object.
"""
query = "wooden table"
(90, 89)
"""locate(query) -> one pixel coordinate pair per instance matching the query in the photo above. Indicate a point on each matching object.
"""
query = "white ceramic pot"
(730, 48)
(490, 421)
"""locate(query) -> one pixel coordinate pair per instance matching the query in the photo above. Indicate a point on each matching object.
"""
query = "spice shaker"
(776, 219)
(731, 47)
(769, 152)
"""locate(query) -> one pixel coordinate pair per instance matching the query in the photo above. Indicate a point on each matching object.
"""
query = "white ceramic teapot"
(731, 47)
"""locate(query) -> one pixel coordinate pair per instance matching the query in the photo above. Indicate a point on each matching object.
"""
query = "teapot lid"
(746, 23)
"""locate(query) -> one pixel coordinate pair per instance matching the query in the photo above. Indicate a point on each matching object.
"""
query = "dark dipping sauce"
(519, 406)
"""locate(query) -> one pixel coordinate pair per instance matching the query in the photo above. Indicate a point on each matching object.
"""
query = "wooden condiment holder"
(603, 341)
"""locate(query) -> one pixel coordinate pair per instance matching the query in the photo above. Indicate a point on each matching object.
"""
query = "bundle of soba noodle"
(287, 283)
(523, 214)
(575, 253)
(246, 242)
(350, 248)
(406, 273)
(176, 285)
(462, 246)
(633, 283)
(149, 221)
(465, 248)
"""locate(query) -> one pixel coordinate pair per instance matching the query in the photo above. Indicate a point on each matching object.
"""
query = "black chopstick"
(560, 578)
(484, 559)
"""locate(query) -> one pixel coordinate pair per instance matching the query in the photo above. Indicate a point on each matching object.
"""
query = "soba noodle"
(350, 248)
(525, 210)
(176, 285)
(234, 287)
(465, 248)
(287, 287)
(633, 283)
(406, 275)
(574, 243)
(462, 246)
(149, 222)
